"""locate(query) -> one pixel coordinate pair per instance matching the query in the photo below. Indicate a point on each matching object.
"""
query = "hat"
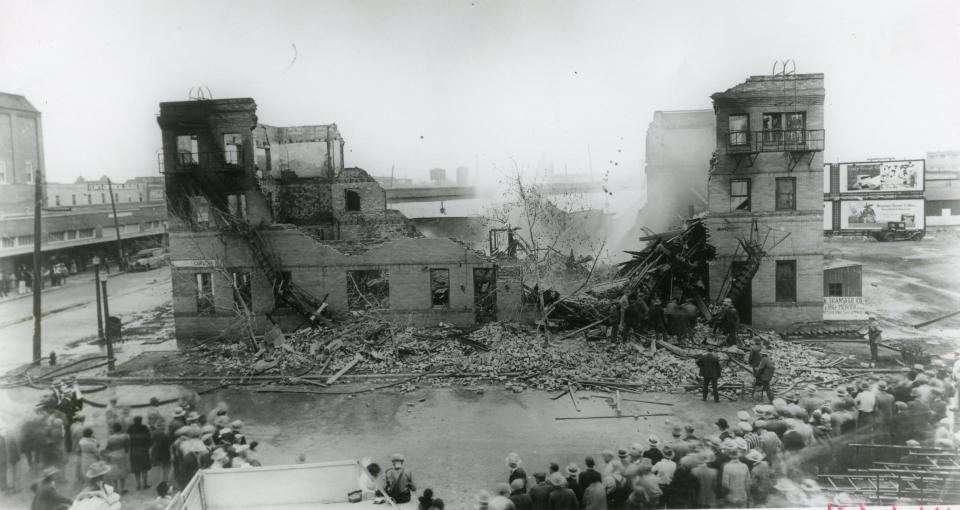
(193, 416)
(713, 441)
(513, 458)
(557, 480)
(759, 424)
(98, 468)
(809, 485)
(882, 385)
(841, 392)
(755, 456)
(218, 455)
(743, 416)
(622, 453)
(635, 449)
(208, 429)
(668, 452)
(654, 441)
(540, 476)
(608, 453)
(864, 386)
(573, 469)
(938, 363)
(517, 484)
(396, 457)
(236, 424)
(722, 423)
(48, 473)
(745, 426)
(178, 412)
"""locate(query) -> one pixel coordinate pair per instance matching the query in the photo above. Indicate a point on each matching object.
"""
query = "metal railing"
(781, 140)
(216, 161)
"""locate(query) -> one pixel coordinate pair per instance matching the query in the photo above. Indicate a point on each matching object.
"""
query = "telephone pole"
(116, 224)
(37, 271)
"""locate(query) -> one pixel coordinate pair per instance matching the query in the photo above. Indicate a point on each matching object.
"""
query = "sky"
(414, 85)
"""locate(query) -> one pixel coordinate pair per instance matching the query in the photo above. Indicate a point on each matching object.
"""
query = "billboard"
(848, 308)
(828, 215)
(875, 176)
(874, 214)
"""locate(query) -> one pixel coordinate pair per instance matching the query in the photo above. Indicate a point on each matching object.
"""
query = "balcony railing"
(783, 140)
(217, 161)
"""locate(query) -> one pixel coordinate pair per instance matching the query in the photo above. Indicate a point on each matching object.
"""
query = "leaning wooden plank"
(333, 378)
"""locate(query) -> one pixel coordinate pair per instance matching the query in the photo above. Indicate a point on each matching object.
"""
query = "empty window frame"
(84, 233)
(71, 235)
(740, 194)
(280, 288)
(835, 289)
(54, 237)
(232, 147)
(789, 127)
(739, 129)
(205, 303)
(24, 240)
(200, 208)
(440, 288)
(237, 205)
(786, 193)
(786, 281)
(368, 289)
(351, 200)
(188, 150)
(8, 242)
(242, 291)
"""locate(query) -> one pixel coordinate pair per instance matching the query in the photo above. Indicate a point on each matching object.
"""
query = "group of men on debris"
(632, 314)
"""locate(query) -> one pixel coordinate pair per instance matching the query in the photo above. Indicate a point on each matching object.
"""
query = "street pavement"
(69, 314)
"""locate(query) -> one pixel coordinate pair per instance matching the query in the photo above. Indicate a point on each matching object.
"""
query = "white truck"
(327, 485)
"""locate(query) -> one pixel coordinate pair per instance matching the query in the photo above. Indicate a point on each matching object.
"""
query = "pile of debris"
(367, 346)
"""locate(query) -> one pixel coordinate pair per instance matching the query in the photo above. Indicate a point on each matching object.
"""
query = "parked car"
(897, 231)
(145, 260)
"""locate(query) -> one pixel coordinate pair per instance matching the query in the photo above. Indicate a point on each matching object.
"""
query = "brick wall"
(372, 197)
(322, 270)
(304, 202)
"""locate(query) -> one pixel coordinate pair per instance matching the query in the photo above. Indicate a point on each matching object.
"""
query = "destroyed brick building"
(766, 199)
(266, 223)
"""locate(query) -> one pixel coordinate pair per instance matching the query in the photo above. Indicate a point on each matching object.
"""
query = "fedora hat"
(622, 453)
(573, 469)
(668, 452)
(193, 416)
(98, 468)
(48, 473)
(178, 412)
(755, 456)
(653, 440)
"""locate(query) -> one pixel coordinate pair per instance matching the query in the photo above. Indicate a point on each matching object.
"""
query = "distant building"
(438, 177)
(21, 153)
(678, 148)
(393, 182)
(766, 188)
(463, 176)
(943, 189)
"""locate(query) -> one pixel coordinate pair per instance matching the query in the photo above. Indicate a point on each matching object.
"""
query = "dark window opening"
(835, 289)
(103, 198)
(786, 281)
(740, 195)
(280, 286)
(57, 197)
(89, 198)
(368, 289)
(237, 205)
(200, 208)
(232, 143)
(242, 291)
(352, 199)
(739, 128)
(440, 287)
(787, 127)
(786, 193)
(485, 294)
(73, 200)
(205, 303)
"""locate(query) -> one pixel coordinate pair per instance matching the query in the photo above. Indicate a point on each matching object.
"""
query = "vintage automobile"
(897, 231)
(151, 258)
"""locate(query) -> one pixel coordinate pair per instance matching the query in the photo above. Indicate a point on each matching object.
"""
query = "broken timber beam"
(634, 416)
(333, 378)
(938, 319)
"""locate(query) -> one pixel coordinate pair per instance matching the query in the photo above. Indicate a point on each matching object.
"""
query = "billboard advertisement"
(874, 214)
(876, 176)
(848, 308)
(828, 215)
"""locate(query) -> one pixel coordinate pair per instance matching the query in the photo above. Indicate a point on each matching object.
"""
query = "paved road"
(70, 314)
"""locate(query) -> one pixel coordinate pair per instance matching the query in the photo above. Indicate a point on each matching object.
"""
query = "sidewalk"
(72, 281)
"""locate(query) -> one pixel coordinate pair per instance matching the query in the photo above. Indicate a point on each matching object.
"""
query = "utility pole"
(96, 285)
(106, 313)
(37, 271)
(116, 224)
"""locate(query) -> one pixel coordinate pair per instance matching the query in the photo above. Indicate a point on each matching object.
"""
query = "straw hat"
(755, 456)
(745, 426)
(573, 469)
(654, 441)
(218, 455)
(743, 416)
(98, 468)
(557, 480)
(236, 424)
(178, 412)
(513, 458)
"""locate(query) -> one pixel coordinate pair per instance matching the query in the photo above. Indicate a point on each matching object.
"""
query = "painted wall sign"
(843, 308)
(193, 263)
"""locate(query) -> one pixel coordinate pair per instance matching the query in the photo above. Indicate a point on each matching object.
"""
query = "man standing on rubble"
(710, 372)
(873, 338)
(730, 319)
(764, 374)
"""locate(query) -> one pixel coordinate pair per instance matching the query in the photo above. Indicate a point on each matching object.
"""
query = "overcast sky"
(421, 84)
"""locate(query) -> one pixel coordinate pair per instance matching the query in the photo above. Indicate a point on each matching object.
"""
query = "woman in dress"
(140, 442)
(117, 453)
(88, 452)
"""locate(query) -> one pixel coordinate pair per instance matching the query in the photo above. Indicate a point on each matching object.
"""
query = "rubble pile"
(364, 345)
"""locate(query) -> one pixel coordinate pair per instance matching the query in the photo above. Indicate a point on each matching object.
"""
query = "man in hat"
(520, 499)
(664, 470)
(176, 421)
(540, 491)
(724, 428)
(809, 401)
(653, 450)
(764, 374)
(873, 335)
(46, 496)
(709, 367)
(706, 480)
(589, 475)
(735, 480)
(866, 405)
(399, 480)
(748, 435)
(562, 497)
(516, 472)
(761, 478)
(730, 320)
(573, 482)
(691, 433)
